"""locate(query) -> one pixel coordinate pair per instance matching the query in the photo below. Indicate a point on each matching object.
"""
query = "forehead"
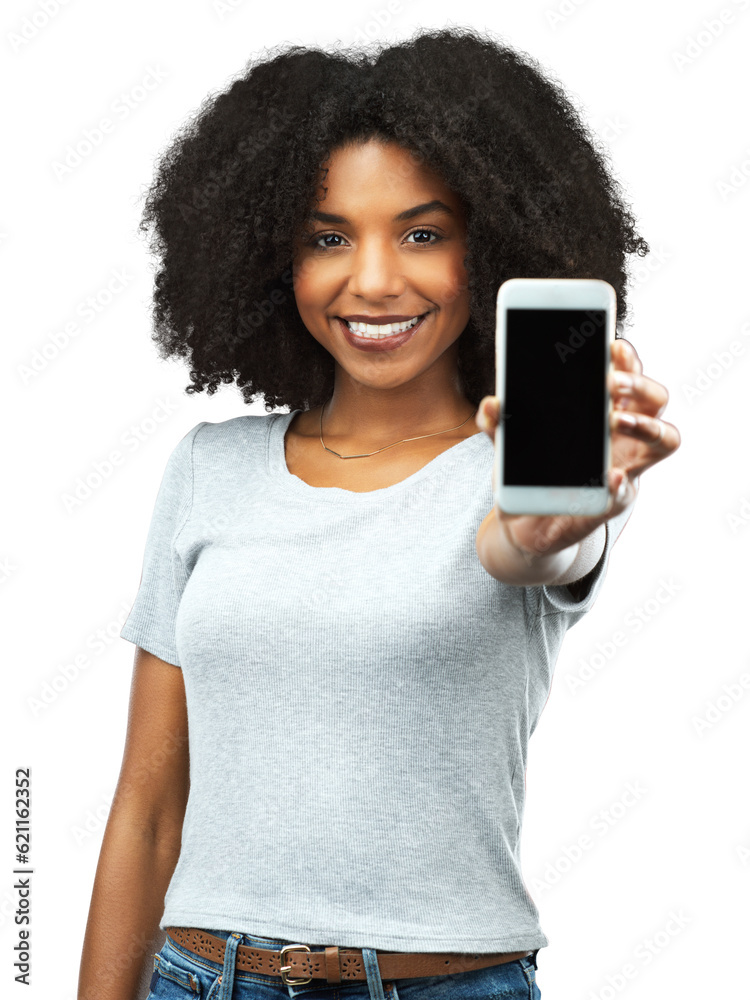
(379, 175)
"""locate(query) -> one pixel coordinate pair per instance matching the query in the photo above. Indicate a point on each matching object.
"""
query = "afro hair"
(235, 187)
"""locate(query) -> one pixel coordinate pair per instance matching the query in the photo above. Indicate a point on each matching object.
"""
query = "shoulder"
(245, 427)
(217, 444)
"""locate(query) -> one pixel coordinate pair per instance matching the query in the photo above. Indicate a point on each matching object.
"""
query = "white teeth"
(377, 331)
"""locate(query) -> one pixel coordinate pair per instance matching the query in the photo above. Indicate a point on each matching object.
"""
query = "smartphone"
(552, 354)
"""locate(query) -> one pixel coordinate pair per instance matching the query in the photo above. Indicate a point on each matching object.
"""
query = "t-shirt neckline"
(278, 469)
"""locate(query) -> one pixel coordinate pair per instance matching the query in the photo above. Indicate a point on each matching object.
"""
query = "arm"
(141, 841)
(505, 562)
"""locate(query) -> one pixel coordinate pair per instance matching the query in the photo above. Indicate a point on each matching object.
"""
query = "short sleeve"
(151, 622)
(558, 599)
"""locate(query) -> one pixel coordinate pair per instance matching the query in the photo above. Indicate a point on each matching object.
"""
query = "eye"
(430, 232)
(313, 241)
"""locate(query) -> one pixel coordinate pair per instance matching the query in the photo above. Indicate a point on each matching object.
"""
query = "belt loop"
(227, 973)
(533, 958)
(374, 981)
(333, 965)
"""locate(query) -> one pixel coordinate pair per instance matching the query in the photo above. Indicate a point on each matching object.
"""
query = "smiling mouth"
(380, 331)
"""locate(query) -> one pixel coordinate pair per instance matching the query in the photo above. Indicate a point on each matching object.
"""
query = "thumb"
(488, 415)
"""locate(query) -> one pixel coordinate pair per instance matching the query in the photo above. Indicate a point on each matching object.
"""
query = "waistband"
(296, 964)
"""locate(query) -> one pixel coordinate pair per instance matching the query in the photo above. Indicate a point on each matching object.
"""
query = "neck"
(374, 417)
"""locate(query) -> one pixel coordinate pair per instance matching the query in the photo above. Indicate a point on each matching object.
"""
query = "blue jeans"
(181, 975)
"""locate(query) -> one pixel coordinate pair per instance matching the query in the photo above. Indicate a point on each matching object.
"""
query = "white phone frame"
(552, 293)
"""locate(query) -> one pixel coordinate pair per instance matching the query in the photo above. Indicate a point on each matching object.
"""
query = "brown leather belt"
(336, 965)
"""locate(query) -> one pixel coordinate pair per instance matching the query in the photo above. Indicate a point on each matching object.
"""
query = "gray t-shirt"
(360, 696)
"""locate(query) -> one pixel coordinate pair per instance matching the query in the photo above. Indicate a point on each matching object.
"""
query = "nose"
(375, 272)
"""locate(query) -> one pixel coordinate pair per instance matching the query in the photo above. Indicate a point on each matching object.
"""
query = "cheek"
(454, 294)
(309, 289)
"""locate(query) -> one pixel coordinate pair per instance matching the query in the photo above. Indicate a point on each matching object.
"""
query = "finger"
(623, 489)
(617, 483)
(488, 415)
(661, 437)
(641, 393)
(625, 356)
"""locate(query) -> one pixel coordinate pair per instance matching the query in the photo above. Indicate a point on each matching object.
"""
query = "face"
(384, 248)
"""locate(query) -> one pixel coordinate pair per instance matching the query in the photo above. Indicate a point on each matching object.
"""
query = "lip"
(385, 318)
(384, 343)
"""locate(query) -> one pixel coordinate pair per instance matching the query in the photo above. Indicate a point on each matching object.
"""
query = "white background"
(664, 92)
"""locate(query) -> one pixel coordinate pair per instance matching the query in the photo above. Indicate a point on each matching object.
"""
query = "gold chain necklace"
(387, 445)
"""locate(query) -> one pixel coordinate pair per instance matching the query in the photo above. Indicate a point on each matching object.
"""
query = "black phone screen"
(555, 397)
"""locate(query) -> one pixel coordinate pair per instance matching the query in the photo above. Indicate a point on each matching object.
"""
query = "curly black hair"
(236, 185)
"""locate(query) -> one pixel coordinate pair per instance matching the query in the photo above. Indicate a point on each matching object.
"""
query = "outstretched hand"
(639, 439)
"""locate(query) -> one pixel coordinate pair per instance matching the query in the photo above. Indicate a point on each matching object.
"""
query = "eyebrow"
(429, 206)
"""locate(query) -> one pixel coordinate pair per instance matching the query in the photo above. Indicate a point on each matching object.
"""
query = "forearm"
(506, 563)
(127, 901)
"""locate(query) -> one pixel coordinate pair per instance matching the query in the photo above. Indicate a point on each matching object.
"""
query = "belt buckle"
(287, 968)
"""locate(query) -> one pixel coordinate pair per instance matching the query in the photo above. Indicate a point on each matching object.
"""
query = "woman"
(361, 643)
